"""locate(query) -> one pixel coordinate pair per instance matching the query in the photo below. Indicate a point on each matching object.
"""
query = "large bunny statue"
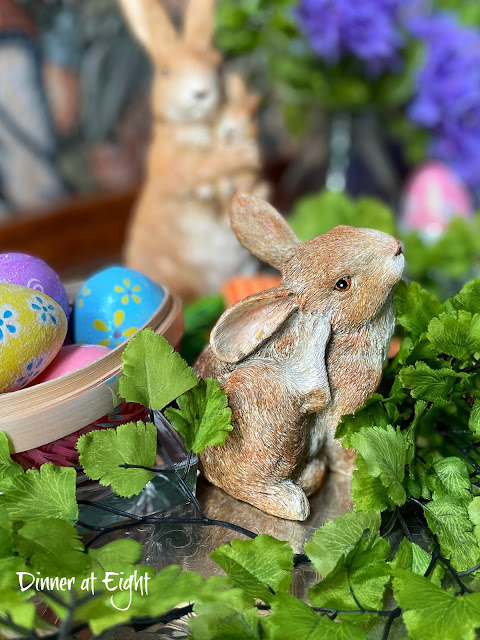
(180, 234)
(295, 358)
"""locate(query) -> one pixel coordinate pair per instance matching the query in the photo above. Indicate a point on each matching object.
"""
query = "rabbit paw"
(284, 500)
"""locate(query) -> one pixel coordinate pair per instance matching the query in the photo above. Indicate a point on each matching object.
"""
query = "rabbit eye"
(343, 284)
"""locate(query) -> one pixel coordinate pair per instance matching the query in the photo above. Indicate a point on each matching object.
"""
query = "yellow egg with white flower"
(32, 330)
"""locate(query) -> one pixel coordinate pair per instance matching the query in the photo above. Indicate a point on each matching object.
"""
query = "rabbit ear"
(249, 323)
(150, 24)
(253, 102)
(198, 26)
(238, 93)
(261, 229)
(236, 89)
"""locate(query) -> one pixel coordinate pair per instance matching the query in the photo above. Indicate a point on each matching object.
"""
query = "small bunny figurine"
(297, 357)
(177, 236)
(236, 124)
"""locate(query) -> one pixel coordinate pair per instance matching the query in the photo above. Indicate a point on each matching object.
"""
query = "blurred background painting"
(74, 112)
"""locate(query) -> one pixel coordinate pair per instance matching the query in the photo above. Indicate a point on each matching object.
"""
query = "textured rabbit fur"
(295, 358)
(179, 235)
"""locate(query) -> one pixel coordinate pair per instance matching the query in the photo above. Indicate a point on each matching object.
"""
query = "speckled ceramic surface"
(27, 271)
(112, 305)
(32, 329)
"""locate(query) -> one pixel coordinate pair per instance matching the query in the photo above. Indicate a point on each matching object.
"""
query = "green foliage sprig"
(405, 562)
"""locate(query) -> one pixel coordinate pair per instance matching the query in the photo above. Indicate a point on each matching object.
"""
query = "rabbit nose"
(201, 94)
(399, 250)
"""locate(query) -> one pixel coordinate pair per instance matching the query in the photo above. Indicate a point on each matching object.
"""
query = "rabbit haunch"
(180, 233)
(296, 358)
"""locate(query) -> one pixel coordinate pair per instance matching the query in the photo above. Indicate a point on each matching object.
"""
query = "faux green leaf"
(199, 318)
(292, 618)
(335, 539)
(410, 433)
(231, 616)
(474, 515)
(415, 308)
(373, 214)
(8, 468)
(384, 452)
(449, 519)
(318, 213)
(432, 612)
(116, 555)
(474, 421)
(14, 603)
(364, 572)
(36, 495)
(371, 414)
(120, 557)
(103, 452)
(456, 334)
(261, 567)
(368, 492)
(457, 249)
(153, 374)
(172, 587)
(471, 384)
(410, 556)
(468, 299)
(204, 416)
(449, 477)
(432, 385)
(425, 351)
(112, 608)
(6, 535)
(52, 547)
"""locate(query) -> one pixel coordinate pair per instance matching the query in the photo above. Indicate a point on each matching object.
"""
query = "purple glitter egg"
(27, 271)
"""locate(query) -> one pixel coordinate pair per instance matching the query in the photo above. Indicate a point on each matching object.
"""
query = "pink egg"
(71, 358)
(433, 196)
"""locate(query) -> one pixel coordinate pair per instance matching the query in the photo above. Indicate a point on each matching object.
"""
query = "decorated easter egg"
(112, 305)
(27, 271)
(71, 358)
(433, 196)
(32, 329)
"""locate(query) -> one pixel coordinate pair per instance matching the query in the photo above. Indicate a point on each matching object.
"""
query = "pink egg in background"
(433, 196)
(71, 358)
(31, 272)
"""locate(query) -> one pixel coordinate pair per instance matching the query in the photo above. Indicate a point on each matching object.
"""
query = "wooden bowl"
(48, 411)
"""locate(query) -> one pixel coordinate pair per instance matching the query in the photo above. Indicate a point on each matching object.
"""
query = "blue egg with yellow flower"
(113, 305)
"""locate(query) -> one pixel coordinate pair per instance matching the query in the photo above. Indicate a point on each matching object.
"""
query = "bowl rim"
(24, 414)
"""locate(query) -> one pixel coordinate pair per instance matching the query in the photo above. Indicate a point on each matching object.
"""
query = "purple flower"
(447, 99)
(370, 30)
